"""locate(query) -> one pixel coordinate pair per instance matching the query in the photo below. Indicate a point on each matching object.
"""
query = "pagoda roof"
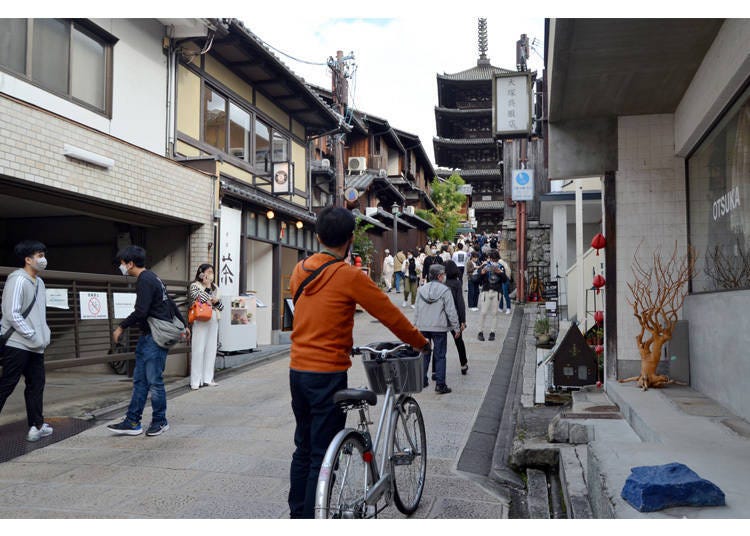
(466, 142)
(491, 172)
(488, 205)
(482, 71)
(462, 111)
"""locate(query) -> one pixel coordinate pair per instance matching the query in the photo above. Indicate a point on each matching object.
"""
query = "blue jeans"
(150, 359)
(318, 422)
(504, 294)
(473, 295)
(397, 278)
(439, 340)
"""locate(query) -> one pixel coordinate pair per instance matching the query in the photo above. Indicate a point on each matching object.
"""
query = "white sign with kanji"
(93, 305)
(512, 105)
(228, 271)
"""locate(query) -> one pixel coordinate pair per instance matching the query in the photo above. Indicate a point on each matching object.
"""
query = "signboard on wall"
(228, 271)
(522, 186)
(511, 105)
(93, 305)
(282, 180)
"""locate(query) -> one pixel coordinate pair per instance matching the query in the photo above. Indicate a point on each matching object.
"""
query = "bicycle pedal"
(402, 458)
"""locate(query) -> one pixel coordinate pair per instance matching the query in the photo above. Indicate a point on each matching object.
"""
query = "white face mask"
(124, 269)
(40, 264)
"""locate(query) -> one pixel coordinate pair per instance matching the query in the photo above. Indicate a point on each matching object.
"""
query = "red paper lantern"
(599, 317)
(599, 349)
(599, 282)
(599, 242)
(357, 261)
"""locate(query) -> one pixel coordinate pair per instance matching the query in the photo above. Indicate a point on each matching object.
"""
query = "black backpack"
(496, 280)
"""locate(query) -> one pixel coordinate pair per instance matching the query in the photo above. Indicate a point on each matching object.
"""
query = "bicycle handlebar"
(357, 350)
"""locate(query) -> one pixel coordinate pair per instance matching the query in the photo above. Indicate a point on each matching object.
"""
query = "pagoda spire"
(483, 42)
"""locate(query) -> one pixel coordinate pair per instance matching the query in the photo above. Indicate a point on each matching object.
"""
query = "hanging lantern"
(599, 282)
(358, 262)
(599, 317)
(599, 349)
(599, 242)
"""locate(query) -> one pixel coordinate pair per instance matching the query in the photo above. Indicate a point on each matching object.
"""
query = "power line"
(290, 56)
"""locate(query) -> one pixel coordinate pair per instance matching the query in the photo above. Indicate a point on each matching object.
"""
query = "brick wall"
(651, 211)
(31, 149)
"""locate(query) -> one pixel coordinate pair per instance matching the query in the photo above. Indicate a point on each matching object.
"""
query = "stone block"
(578, 433)
(652, 488)
(558, 430)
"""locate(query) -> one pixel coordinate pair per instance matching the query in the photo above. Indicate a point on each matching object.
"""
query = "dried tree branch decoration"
(657, 295)
(728, 271)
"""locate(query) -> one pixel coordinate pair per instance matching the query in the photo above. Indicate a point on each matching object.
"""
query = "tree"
(658, 294)
(448, 202)
(362, 245)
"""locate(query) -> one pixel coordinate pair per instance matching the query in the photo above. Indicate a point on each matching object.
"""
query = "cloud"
(397, 58)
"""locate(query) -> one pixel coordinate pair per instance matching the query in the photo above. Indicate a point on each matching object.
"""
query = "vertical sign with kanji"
(228, 270)
(511, 105)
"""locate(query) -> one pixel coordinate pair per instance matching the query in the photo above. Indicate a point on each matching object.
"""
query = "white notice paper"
(124, 303)
(57, 298)
(93, 305)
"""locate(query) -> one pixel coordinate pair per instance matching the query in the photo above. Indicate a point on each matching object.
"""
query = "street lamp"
(395, 211)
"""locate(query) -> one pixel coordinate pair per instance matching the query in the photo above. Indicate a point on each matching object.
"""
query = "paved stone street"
(227, 452)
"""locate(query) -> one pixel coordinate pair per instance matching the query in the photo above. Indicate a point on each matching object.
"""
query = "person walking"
(505, 292)
(151, 300)
(388, 268)
(433, 258)
(205, 332)
(453, 282)
(492, 272)
(398, 269)
(460, 257)
(326, 292)
(411, 279)
(473, 279)
(435, 315)
(25, 335)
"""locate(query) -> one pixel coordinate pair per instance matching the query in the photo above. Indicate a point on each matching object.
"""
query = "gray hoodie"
(435, 310)
(31, 333)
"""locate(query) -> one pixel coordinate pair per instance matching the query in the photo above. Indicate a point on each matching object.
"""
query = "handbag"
(166, 333)
(199, 311)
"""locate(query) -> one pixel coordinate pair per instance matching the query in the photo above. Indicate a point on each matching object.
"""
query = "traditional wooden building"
(464, 141)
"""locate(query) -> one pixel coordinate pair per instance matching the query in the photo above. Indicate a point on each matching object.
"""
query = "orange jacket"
(324, 315)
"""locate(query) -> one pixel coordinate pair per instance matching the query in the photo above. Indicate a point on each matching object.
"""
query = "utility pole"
(340, 90)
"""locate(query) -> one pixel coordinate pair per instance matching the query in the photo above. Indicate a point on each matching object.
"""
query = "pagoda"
(464, 143)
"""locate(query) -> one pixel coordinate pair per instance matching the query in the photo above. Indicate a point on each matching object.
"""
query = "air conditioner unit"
(369, 211)
(409, 210)
(382, 173)
(325, 163)
(357, 163)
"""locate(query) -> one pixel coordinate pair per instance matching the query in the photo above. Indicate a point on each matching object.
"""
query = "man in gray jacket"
(435, 315)
(23, 353)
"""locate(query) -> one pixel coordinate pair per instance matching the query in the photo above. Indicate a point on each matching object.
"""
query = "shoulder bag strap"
(311, 277)
(12, 330)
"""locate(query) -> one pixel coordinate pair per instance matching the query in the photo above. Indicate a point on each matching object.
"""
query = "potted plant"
(541, 330)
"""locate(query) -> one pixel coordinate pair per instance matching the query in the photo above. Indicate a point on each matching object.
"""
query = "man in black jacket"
(150, 358)
(432, 258)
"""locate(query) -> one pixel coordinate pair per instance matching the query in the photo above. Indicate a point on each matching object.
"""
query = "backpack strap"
(312, 276)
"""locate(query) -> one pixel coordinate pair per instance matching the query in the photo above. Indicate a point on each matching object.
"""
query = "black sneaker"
(157, 429)
(426, 384)
(464, 369)
(434, 376)
(481, 336)
(492, 336)
(442, 389)
(126, 428)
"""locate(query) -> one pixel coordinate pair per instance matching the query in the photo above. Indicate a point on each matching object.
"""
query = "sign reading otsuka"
(726, 203)
(522, 188)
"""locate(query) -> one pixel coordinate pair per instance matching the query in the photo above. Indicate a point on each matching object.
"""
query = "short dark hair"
(134, 254)
(451, 270)
(494, 254)
(335, 226)
(28, 248)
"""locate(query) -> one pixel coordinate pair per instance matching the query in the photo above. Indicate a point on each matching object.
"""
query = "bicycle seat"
(353, 396)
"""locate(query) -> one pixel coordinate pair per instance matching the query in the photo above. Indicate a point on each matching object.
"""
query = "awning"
(387, 217)
(370, 220)
(263, 199)
(363, 181)
(418, 222)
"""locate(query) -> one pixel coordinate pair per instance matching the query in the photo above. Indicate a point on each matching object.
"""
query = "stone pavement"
(227, 452)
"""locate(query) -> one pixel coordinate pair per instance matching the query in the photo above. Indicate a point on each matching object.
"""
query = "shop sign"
(511, 105)
(281, 179)
(57, 298)
(229, 251)
(726, 203)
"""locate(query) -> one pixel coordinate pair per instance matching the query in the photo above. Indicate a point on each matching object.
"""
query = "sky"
(397, 58)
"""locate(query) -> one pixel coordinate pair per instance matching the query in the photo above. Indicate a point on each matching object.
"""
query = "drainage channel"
(13, 436)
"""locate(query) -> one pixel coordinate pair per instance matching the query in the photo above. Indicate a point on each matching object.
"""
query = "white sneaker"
(507, 311)
(412, 306)
(404, 304)
(36, 434)
(211, 384)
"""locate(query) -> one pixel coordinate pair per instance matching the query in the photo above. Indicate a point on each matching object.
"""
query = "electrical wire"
(324, 64)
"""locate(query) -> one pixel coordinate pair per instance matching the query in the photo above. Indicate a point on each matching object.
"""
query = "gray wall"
(720, 347)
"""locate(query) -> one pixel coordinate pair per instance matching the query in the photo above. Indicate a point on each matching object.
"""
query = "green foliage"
(446, 217)
(362, 244)
(541, 326)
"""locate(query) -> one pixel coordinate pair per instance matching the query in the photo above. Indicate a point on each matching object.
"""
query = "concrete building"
(659, 110)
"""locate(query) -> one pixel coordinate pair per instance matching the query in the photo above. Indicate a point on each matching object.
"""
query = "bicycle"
(356, 474)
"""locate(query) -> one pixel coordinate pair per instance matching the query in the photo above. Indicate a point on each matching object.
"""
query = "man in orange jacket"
(321, 346)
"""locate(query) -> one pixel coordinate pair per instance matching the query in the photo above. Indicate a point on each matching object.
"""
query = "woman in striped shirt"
(205, 333)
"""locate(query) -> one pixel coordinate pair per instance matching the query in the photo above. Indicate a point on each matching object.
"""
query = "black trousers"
(18, 362)
(461, 347)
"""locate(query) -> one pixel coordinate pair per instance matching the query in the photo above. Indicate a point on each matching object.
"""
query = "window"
(262, 148)
(280, 147)
(719, 203)
(70, 58)
(239, 132)
(214, 119)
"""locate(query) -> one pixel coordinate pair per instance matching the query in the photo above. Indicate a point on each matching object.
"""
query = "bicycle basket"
(405, 368)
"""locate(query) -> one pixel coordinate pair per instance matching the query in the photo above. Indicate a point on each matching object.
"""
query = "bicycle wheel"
(344, 479)
(409, 457)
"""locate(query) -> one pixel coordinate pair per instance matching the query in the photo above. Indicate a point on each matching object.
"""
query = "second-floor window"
(69, 58)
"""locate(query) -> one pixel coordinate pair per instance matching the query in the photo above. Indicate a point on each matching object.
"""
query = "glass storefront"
(719, 203)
